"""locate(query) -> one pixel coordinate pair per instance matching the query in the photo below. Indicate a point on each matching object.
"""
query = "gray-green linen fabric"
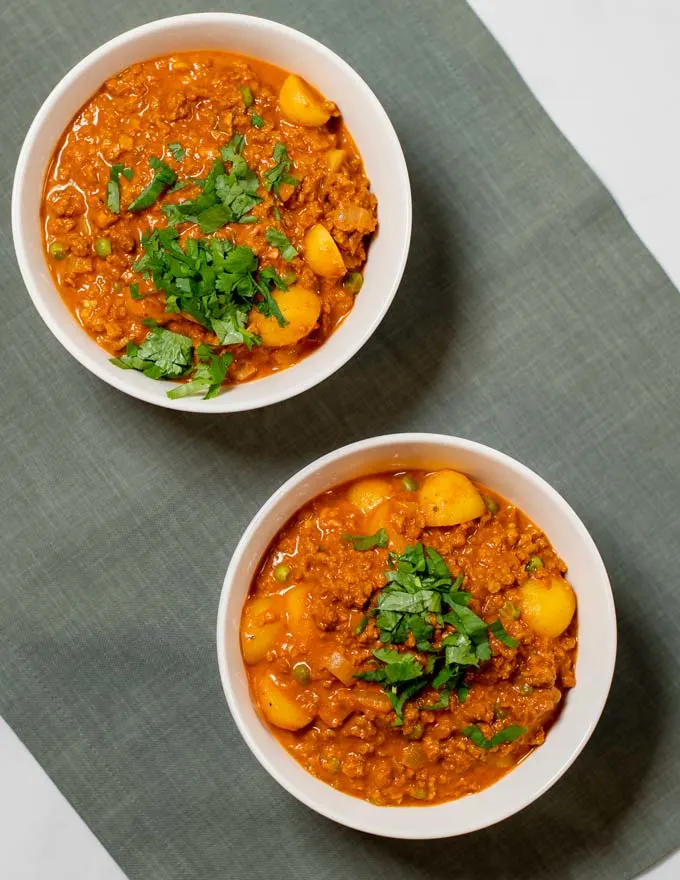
(530, 318)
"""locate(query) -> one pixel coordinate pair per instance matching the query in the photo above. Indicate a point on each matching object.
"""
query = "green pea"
(102, 247)
(58, 250)
(354, 282)
(416, 732)
(410, 484)
(281, 573)
(419, 794)
(534, 563)
(500, 714)
(288, 277)
(526, 689)
(302, 673)
(491, 505)
(509, 609)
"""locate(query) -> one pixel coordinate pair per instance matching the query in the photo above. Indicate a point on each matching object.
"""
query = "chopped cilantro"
(498, 630)
(368, 542)
(177, 150)
(207, 377)
(162, 355)
(113, 187)
(256, 120)
(277, 239)
(134, 292)
(422, 603)
(508, 734)
(214, 282)
(247, 96)
(274, 177)
(225, 197)
(163, 177)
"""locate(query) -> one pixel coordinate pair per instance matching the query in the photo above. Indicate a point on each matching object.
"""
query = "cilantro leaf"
(508, 734)
(277, 239)
(113, 187)
(162, 355)
(207, 377)
(274, 177)
(400, 667)
(256, 120)
(368, 542)
(163, 177)
(442, 702)
(498, 630)
(177, 150)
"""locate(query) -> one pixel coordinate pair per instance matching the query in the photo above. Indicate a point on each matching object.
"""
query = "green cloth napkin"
(530, 318)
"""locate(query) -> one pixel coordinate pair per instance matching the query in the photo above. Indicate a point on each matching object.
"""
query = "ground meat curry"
(410, 637)
(206, 217)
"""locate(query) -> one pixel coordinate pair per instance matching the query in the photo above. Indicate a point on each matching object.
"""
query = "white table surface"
(608, 73)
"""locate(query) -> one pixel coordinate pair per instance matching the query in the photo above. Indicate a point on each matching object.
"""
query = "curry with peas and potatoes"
(206, 218)
(410, 637)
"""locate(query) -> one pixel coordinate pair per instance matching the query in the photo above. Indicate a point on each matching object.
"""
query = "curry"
(206, 218)
(410, 638)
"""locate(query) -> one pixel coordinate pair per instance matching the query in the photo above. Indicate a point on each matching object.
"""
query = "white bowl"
(291, 50)
(597, 633)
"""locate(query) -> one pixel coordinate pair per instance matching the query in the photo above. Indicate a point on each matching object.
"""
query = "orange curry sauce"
(304, 637)
(196, 99)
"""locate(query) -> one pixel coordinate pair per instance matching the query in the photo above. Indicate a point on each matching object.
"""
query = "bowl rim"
(605, 674)
(20, 221)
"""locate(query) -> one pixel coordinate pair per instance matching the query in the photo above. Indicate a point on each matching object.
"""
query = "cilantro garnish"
(168, 355)
(162, 355)
(508, 734)
(274, 177)
(368, 542)
(256, 120)
(113, 187)
(211, 280)
(498, 630)
(163, 177)
(277, 239)
(177, 150)
(422, 603)
(207, 377)
(226, 197)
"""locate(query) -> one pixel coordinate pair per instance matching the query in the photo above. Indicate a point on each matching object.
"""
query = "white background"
(608, 73)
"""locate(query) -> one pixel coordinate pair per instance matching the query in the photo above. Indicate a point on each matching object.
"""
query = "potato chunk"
(279, 708)
(299, 306)
(322, 254)
(448, 498)
(302, 105)
(548, 605)
(261, 628)
(369, 493)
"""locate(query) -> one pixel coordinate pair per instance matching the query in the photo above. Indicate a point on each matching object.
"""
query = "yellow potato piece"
(448, 498)
(335, 158)
(369, 493)
(299, 306)
(302, 105)
(261, 628)
(548, 605)
(279, 708)
(322, 254)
